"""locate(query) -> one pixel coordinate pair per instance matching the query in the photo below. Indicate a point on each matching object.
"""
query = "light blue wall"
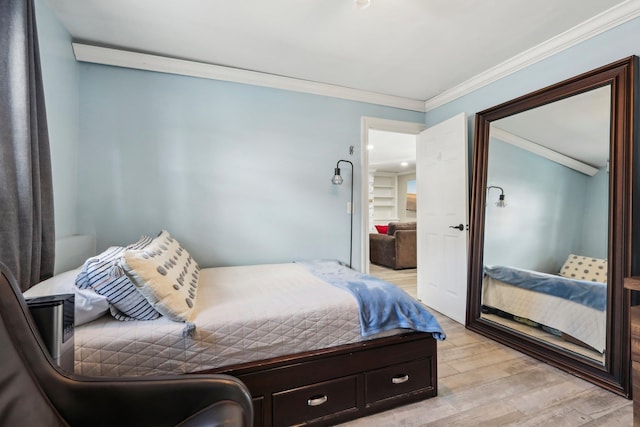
(239, 174)
(548, 214)
(60, 78)
(595, 230)
(151, 140)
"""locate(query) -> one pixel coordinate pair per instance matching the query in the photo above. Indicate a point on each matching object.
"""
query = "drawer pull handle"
(400, 379)
(317, 400)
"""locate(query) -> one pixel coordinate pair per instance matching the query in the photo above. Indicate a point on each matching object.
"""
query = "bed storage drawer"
(397, 380)
(357, 380)
(257, 409)
(314, 401)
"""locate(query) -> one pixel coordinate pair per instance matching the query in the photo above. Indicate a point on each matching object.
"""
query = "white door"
(443, 203)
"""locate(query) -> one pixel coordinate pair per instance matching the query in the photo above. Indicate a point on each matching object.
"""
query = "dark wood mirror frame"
(614, 374)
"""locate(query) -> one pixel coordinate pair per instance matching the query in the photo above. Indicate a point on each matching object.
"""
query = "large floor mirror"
(551, 224)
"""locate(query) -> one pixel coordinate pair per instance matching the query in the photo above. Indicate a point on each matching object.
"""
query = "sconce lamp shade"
(500, 203)
(337, 178)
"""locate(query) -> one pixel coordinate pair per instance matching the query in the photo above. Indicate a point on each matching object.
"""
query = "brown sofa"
(397, 248)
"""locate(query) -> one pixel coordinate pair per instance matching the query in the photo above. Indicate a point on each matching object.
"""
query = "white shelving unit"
(385, 198)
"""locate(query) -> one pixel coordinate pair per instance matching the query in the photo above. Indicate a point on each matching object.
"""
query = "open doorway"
(388, 182)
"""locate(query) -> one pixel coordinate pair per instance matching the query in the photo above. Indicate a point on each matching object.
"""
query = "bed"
(292, 332)
(574, 309)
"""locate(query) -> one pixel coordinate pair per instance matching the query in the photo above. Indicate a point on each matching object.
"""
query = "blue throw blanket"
(383, 306)
(591, 294)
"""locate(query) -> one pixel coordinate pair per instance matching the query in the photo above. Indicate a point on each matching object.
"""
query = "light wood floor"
(405, 279)
(483, 383)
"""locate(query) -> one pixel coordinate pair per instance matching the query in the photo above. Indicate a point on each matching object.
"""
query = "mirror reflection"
(546, 223)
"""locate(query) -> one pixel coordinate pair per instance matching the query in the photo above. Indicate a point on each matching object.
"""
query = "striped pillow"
(102, 274)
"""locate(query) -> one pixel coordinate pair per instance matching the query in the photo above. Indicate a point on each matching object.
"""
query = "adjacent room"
(340, 212)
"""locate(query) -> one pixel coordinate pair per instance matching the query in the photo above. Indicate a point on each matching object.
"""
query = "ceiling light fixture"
(404, 164)
(362, 4)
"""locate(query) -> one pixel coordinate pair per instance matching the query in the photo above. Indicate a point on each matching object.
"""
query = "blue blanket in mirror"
(591, 294)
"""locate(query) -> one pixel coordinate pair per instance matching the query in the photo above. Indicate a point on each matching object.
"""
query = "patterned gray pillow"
(585, 268)
(102, 274)
(166, 274)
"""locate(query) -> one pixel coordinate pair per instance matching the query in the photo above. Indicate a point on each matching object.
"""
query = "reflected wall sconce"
(500, 203)
(362, 4)
(337, 180)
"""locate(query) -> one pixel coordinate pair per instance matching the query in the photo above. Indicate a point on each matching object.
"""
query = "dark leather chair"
(34, 392)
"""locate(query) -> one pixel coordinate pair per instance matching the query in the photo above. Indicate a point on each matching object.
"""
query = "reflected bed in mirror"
(551, 199)
(552, 162)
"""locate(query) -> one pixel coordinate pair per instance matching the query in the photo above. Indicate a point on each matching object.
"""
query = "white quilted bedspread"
(242, 314)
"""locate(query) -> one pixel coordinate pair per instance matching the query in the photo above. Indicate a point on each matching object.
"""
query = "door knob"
(459, 227)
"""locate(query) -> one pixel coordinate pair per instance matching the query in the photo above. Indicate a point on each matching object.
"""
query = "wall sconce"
(500, 203)
(337, 180)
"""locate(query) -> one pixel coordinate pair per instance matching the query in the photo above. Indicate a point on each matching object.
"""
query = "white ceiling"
(388, 150)
(409, 48)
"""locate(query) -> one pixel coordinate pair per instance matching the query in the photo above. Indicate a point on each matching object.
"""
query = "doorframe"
(367, 124)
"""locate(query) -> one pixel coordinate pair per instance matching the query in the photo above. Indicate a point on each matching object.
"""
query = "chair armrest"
(382, 249)
(155, 401)
(406, 248)
(381, 242)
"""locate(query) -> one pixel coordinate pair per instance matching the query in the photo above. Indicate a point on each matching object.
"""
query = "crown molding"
(606, 20)
(611, 18)
(542, 151)
(390, 125)
(162, 64)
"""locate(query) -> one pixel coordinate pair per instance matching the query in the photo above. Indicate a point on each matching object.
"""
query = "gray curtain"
(27, 239)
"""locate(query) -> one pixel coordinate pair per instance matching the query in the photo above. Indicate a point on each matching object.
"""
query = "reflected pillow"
(585, 268)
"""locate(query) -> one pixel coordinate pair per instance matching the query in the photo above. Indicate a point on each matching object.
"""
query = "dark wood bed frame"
(327, 386)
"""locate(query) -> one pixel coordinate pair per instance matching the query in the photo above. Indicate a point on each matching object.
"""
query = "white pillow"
(585, 268)
(89, 305)
(166, 275)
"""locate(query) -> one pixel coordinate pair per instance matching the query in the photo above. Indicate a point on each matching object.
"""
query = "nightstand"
(633, 284)
(54, 318)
